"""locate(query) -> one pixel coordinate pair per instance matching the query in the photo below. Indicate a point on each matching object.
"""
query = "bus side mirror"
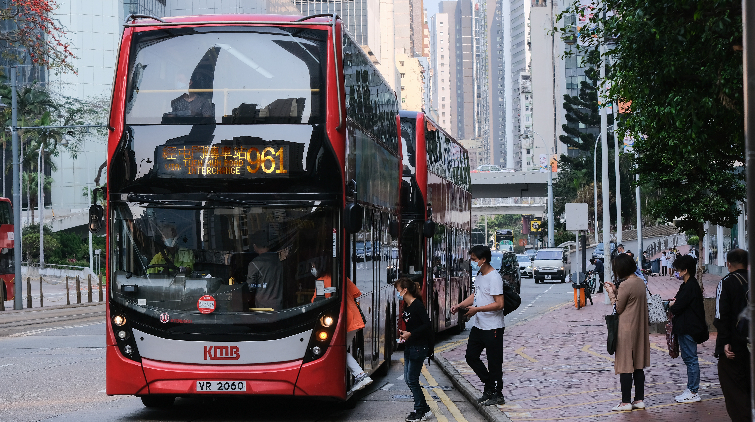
(393, 229)
(353, 214)
(96, 212)
(428, 229)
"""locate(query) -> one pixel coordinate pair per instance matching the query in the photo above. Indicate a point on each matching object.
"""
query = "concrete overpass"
(510, 184)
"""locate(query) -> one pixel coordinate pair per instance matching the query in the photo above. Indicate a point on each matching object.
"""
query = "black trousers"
(734, 375)
(626, 386)
(492, 342)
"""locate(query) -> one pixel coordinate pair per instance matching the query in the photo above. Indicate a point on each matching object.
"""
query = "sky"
(432, 7)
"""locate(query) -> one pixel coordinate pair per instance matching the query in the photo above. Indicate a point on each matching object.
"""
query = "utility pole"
(41, 205)
(595, 190)
(605, 181)
(618, 177)
(748, 38)
(17, 304)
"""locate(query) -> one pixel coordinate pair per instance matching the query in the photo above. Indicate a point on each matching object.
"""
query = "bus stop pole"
(17, 304)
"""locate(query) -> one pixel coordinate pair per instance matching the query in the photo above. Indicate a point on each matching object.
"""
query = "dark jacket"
(689, 311)
(731, 299)
(418, 323)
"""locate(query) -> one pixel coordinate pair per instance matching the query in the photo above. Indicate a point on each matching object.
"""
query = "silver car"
(525, 265)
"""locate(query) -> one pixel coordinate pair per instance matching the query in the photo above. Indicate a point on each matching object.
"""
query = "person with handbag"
(355, 319)
(416, 339)
(689, 324)
(633, 336)
(731, 345)
(485, 307)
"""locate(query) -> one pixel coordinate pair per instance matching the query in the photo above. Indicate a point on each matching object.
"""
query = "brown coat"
(633, 343)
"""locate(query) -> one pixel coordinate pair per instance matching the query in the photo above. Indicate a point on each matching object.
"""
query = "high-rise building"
(499, 84)
(481, 72)
(464, 70)
(440, 61)
(517, 61)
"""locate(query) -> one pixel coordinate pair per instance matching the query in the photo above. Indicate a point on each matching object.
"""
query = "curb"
(10, 311)
(491, 413)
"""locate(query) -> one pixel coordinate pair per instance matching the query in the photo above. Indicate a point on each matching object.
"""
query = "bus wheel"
(157, 401)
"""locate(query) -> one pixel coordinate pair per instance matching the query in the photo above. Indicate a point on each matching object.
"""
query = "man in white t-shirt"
(485, 308)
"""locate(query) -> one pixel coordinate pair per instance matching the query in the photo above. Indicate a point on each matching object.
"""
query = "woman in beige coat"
(633, 342)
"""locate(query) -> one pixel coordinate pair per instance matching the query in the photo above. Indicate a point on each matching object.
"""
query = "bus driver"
(264, 275)
(169, 255)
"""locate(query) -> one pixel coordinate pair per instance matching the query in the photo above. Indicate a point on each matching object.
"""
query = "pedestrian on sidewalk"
(689, 324)
(633, 341)
(731, 347)
(664, 264)
(599, 270)
(485, 307)
(670, 258)
(416, 339)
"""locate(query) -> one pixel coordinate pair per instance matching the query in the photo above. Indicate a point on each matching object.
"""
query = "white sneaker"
(360, 382)
(682, 396)
(638, 405)
(427, 416)
(622, 407)
(688, 397)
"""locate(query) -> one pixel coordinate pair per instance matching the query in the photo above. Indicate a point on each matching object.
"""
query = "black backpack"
(511, 299)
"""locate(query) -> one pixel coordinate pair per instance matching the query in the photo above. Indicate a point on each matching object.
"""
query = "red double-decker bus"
(245, 151)
(436, 213)
(7, 272)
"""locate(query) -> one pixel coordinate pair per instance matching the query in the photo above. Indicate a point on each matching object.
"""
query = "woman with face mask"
(353, 314)
(416, 339)
(689, 323)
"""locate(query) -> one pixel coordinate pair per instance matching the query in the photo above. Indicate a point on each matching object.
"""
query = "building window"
(402, 88)
(442, 56)
(444, 115)
(528, 151)
(402, 75)
(401, 63)
(403, 100)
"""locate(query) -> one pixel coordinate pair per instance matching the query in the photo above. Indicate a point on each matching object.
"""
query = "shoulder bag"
(612, 323)
(671, 340)
(656, 313)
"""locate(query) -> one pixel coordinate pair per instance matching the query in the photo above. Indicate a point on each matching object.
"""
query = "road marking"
(443, 397)
(522, 354)
(400, 378)
(434, 406)
(587, 349)
(386, 387)
(451, 345)
(44, 330)
(665, 350)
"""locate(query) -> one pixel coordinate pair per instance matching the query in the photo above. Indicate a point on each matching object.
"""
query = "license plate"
(547, 277)
(203, 386)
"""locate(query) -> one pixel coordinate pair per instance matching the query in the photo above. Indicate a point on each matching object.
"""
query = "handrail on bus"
(135, 16)
(301, 21)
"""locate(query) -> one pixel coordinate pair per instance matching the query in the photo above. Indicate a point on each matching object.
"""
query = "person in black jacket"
(417, 345)
(689, 324)
(731, 347)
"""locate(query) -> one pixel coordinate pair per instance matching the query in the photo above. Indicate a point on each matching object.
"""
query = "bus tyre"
(157, 401)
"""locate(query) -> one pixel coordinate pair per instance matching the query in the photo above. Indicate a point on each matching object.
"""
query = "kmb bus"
(436, 213)
(7, 270)
(244, 152)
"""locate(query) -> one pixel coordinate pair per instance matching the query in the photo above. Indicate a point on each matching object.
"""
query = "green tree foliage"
(678, 69)
(63, 247)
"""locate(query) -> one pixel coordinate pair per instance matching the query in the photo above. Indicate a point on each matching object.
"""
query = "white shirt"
(664, 261)
(487, 286)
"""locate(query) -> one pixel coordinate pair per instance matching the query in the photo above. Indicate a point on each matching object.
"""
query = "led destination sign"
(220, 161)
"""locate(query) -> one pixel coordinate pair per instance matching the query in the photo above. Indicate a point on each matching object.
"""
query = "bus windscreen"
(216, 76)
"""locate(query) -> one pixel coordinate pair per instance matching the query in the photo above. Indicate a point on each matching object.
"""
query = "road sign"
(522, 242)
(535, 224)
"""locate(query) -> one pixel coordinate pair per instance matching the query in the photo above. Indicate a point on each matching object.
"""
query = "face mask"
(678, 277)
(170, 242)
(313, 271)
(399, 296)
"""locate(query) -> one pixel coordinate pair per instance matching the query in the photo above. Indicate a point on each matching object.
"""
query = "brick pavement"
(556, 368)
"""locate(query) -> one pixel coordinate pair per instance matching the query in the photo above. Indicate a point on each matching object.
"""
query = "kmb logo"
(221, 353)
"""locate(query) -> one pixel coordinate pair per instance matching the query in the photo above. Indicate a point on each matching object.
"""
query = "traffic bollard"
(68, 295)
(99, 285)
(2, 299)
(41, 298)
(78, 289)
(89, 288)
(28, 292)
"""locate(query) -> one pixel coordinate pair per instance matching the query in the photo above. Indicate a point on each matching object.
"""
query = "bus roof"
(212, 19)
(415, 114)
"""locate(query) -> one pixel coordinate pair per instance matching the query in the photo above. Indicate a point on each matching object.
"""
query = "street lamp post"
(550, 194)
(41, 206)
(618, 178)
(595, 188)
(17, 304)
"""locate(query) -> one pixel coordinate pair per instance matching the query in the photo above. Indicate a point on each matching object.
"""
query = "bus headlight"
(316, 351)
(118, 320)
(322, 335)
(326, 321)
(128, 349)
(122, 334)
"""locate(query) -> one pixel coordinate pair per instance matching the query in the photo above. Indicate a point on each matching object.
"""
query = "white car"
(525, 265)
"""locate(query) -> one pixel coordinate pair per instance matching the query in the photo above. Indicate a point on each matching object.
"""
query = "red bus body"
(174, 366)
(7, 274)
(435, 189)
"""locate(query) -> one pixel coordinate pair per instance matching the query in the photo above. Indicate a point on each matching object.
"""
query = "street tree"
(33, 30)
(678, 70)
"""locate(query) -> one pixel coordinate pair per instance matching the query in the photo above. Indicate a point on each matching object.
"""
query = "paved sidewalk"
(556, 368)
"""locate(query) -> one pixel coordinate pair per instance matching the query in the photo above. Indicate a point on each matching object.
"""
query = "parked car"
(551, 264)
(599, 251)
(487, 168)
(525, 265)
(531, 253)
